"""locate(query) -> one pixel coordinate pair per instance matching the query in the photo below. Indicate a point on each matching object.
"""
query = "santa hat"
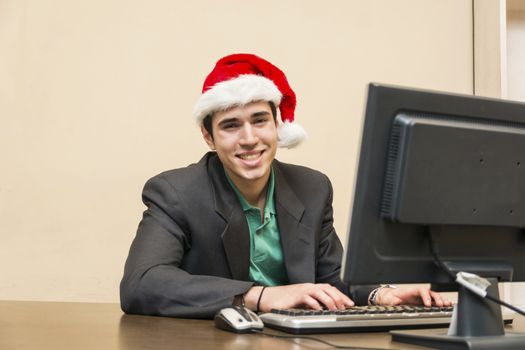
(239, 79)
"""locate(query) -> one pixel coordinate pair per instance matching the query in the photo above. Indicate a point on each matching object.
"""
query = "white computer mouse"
(238, 319)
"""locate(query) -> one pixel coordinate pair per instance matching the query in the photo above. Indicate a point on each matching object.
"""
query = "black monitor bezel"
(362, 263)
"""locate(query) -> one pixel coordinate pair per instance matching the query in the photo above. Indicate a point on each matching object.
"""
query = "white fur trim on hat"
(241, 90)
(290, 135)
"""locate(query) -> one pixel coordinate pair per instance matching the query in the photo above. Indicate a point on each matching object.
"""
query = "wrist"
(252, 297)
(376, 296)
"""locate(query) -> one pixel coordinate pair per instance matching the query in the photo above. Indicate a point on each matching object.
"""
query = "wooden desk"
(57, 326)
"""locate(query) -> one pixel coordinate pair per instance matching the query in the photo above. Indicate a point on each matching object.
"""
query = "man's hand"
(307, 295)
(414, 296)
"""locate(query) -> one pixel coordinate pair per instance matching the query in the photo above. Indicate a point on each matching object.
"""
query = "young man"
(240, 226)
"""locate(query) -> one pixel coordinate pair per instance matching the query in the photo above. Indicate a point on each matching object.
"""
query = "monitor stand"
(477, 324)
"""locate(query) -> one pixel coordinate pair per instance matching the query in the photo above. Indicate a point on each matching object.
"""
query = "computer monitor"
(445, 171)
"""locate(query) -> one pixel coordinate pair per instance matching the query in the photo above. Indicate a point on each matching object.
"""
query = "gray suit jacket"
(190, 256)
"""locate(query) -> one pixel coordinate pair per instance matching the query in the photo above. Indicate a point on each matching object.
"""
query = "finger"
(341, 300)
(438, 300)
(321, 296)
(347, 301)
(444, 301)
(424, 294)
(311, 303)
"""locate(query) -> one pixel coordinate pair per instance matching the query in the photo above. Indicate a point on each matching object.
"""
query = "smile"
(250, 156)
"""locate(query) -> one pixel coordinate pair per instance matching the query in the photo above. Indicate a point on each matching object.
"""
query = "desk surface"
(49, 325)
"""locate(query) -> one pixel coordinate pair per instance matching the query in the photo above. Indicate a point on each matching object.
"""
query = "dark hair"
(206, 122)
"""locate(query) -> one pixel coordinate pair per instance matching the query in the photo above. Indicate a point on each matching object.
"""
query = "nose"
(248, 135)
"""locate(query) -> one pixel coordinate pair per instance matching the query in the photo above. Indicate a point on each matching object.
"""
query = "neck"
(254, 191)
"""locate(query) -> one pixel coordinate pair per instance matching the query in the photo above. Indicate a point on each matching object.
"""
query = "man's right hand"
(304, 295)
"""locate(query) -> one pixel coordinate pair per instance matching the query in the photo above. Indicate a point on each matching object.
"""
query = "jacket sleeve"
(330, 254)
(153, 282)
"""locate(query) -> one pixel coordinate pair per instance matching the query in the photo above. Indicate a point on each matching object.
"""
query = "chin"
(253, 176)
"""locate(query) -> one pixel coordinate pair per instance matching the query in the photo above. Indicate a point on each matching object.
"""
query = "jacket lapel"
(296, 238)
(236, 235)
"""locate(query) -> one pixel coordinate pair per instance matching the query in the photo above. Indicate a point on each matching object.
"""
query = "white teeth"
(249, 156)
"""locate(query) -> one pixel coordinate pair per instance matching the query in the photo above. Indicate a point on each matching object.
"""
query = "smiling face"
(245, 139)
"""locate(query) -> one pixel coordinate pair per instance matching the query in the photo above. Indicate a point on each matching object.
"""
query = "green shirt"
(266, 256)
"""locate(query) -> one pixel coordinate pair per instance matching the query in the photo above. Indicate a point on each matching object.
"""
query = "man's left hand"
(412, 296)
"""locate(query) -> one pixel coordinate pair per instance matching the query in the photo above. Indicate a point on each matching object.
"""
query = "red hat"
(239, 79)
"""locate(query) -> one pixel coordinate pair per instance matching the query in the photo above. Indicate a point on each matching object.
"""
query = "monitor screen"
(437, 170)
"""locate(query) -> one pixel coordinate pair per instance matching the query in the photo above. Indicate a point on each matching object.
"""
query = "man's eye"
(229, 126)
(260, 120)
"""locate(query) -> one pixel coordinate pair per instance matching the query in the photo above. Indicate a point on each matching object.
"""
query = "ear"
(207, 137)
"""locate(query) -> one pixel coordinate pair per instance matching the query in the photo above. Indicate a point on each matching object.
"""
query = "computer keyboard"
(358, 319)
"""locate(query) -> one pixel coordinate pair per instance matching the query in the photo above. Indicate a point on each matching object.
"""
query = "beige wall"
(96, 97)
(516, 50)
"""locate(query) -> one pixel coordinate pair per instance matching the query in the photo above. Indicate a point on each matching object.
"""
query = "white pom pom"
(290, 134)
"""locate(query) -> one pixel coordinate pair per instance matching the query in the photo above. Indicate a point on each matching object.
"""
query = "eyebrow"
(260, 114)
